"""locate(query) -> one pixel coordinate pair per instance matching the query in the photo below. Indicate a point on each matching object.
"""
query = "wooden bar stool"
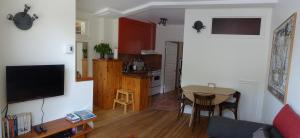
(124, 97)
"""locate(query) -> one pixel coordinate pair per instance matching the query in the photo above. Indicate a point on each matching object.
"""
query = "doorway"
(172, 66)
(171, 77)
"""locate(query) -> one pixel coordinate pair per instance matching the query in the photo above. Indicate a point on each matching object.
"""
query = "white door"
(170, 66)
(249, 105)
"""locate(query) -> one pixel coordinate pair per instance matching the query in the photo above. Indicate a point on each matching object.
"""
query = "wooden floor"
(150, 123)
(165, 102)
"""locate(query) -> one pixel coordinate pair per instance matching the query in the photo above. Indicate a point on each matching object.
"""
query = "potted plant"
(103, 49)
(84, 52)
(109, 53)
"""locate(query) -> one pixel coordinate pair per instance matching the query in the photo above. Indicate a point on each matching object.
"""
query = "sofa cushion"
(220, 127)
(287, 122)
(274, 132)
(263, 132)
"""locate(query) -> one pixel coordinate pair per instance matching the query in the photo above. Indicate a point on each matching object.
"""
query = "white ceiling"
(174, 15)
(95, 5)
(152, 10)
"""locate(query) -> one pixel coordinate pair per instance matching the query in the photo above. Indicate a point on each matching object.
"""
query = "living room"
(239, 62)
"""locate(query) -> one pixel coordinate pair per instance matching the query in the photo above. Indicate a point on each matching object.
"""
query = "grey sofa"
(220, 127)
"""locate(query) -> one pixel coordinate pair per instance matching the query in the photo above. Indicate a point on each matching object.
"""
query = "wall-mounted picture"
(236, 26)
(281, 54)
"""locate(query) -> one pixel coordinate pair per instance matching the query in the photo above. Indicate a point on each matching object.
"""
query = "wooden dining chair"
(183, 101)
(202, 103)
(179, 92)
(232, 106)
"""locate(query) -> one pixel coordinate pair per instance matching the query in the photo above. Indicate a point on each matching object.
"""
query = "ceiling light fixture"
(163, 21)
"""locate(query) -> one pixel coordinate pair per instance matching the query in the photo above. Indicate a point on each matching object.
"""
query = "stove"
(155, 82)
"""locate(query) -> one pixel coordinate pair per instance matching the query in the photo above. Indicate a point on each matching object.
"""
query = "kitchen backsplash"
(151, 61)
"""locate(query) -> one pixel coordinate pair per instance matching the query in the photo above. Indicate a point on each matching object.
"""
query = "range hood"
(148, 52)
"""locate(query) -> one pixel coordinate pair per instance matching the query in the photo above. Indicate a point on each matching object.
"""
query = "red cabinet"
(135, 36)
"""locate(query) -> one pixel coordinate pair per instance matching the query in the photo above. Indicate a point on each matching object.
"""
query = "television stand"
(40, 129)
(60, 125)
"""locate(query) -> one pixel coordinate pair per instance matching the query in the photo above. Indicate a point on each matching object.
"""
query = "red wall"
(135, 36)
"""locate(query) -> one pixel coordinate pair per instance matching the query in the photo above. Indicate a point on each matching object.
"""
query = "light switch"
(69, 49)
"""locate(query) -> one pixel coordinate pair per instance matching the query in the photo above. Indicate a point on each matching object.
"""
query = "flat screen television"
(25, 83)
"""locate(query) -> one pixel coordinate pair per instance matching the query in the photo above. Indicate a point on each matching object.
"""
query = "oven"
(155, 82)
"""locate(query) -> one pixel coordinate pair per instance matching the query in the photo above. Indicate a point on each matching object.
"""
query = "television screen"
(34, 82)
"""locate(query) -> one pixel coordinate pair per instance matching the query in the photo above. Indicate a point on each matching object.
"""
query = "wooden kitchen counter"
(139, 84)
(108, 78)
(138, 75)
(107, 75)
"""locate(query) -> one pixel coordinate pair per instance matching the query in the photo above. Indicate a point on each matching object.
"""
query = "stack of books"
(15, 125)
(72, 118)
(85, 114)
(80, 115)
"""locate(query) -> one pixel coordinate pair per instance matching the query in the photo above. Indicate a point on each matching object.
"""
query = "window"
(236, 26)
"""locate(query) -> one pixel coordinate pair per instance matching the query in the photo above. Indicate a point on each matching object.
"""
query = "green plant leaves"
(103, 49)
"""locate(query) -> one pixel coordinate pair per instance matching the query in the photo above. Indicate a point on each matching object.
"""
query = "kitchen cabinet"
(108, 78)
(139, 84)
(135, 36)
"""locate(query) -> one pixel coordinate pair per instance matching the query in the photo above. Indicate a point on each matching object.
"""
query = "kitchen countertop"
(138, 74)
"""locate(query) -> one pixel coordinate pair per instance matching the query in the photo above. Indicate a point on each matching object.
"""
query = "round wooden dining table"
(222, 94)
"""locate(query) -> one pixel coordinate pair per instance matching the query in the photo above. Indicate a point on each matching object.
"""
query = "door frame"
(179, 44)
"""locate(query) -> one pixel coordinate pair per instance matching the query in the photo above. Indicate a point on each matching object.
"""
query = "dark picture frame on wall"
(236, 26)
(281, 56)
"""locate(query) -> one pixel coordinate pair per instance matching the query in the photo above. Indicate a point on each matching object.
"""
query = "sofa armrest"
(220, 127)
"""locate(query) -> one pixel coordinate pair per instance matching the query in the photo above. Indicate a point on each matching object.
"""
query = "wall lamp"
(22, 19)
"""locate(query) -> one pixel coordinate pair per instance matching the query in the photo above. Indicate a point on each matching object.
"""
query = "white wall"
(98, 30)
(94, 35)
(79, 55)
(167, 33)
(2, 94)
(281, 12)
(163, 34)
(43, 44)
(111, 32)
(2, 89)
(233, 61)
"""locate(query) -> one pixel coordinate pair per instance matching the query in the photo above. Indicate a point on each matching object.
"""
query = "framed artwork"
(281, 54)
